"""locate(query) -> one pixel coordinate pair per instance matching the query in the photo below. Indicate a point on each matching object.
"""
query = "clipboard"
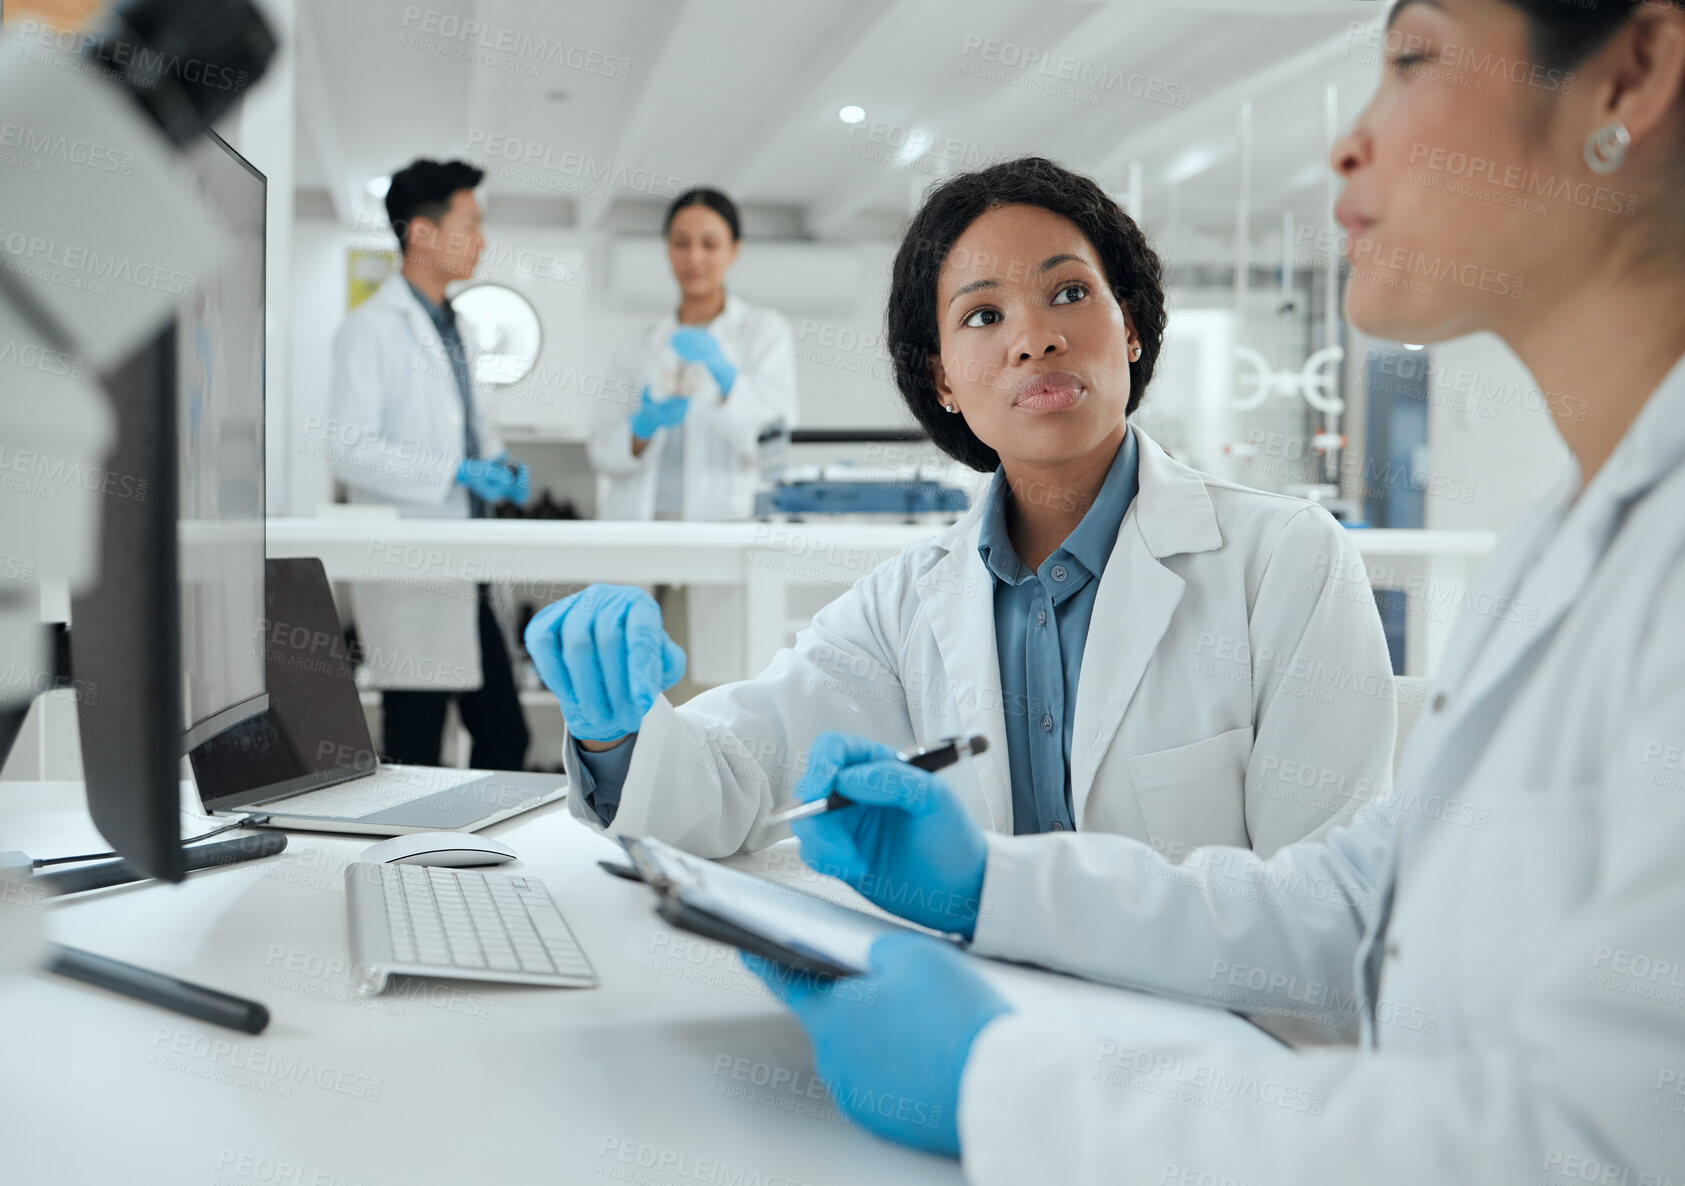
(766, 918)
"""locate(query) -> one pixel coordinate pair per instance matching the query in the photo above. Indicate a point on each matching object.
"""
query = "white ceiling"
(744, 94)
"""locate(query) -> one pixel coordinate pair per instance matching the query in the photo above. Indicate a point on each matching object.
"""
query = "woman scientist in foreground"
(1146, 648)
(1519, 969)
(712, 376)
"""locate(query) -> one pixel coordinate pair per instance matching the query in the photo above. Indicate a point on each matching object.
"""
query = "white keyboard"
(417, 920)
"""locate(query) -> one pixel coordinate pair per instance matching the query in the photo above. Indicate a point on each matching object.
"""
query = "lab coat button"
(1439, 702)
(1047, 724)
(1392, 951)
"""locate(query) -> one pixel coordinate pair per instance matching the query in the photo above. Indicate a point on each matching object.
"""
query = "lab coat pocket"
(1195, 794)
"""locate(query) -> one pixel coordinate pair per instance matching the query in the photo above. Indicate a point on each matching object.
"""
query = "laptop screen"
(313, 734)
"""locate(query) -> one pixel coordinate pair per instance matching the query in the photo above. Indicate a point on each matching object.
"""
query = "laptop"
(308, 762)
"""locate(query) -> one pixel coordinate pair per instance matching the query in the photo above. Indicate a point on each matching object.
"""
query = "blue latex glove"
(492, 479)
(653, 414)
(698, 345)
(605, 656)
(522, 486)
(906, 843)
(892, 1046)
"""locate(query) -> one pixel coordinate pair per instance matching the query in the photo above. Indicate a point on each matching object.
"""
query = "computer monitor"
(125, 631)
(220, 367)
(167, 647)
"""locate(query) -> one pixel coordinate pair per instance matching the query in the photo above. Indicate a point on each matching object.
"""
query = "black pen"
(929, 758)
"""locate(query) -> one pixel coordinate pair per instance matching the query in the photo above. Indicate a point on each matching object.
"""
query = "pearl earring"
(949, 408)
(1606, 148)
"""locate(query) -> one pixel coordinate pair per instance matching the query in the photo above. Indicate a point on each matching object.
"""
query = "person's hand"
(892, 1046)
(492, 480)
(905, 842)
(604, 654)
(521, 487)
(698, 345)
(654, 414)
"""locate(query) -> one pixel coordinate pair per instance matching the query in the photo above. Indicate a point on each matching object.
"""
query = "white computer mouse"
(454, 849)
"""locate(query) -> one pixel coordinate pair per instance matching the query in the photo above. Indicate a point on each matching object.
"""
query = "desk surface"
(677, 1070)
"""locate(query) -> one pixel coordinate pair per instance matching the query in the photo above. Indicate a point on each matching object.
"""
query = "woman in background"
(712, 376)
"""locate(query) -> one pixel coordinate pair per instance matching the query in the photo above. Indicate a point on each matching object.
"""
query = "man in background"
(411, 432)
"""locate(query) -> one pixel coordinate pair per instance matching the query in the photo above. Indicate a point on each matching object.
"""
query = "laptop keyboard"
(384, 789)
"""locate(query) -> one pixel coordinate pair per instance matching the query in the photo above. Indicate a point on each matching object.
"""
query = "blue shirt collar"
(1088, 546)
(444, 317)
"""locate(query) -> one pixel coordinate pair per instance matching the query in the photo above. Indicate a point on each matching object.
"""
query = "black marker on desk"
(929, 758)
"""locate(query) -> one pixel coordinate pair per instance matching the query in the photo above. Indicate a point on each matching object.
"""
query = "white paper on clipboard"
(787, 917)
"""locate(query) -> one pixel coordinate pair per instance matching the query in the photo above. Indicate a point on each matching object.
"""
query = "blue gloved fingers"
(523, 485)
(694, 345)
(593, 720)
(672, 662)
(892, 783)
(608, 632)
(725, 375)
(644, 650)
(544, 644)
(643, 421)
(830, 752)
(829, 846)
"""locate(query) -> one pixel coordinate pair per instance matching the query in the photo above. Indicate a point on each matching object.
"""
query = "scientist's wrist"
(598, 747)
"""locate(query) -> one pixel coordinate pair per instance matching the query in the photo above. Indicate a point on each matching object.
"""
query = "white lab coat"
(721, 453)
(395, 438)
(1226, 649)
(1517, 915)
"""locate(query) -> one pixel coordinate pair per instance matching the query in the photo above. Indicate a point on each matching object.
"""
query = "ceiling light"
(852, 114)
(378, 186)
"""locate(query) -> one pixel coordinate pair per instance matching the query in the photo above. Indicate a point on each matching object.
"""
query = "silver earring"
(1606, 148)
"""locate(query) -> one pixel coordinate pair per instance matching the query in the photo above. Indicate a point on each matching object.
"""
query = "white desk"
(678, 1062)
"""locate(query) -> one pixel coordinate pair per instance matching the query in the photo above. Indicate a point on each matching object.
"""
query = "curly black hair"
(1132, 269)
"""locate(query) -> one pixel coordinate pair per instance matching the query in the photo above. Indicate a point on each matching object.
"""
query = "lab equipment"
(309, 758)
(604, 654)
(410, 920)
(870, 1056)
(909, 847)
(446, 849)
(929, 758)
